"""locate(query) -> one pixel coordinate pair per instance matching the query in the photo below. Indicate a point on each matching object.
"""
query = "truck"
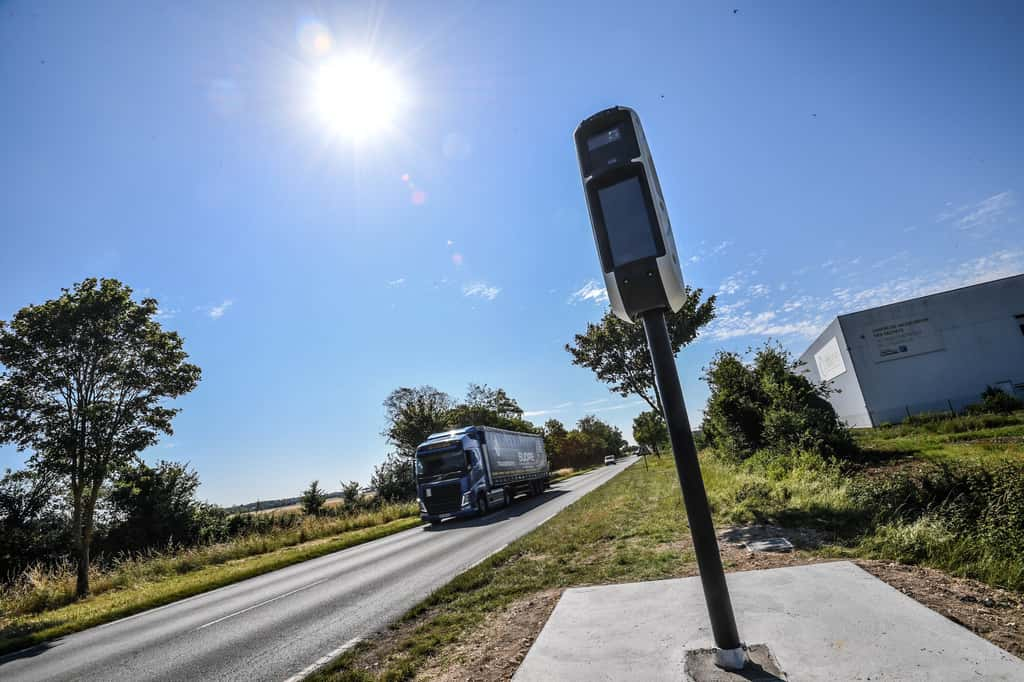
(471, 470)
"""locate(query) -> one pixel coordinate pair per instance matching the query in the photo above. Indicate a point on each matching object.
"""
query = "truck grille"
(443, 499)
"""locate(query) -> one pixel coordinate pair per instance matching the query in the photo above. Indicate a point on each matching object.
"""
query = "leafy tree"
(769, 405)
(617, 351)
(393, 479)
(313, 499)
(554, 437)
(85, 380)
(493, 399)
(609, 437)
(152, 506)
(412, 414)
(33, 521)
(649, 429)
(579, 450)
(350, 494)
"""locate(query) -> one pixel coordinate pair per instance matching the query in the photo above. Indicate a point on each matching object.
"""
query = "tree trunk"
(78, 538)
(82, 583)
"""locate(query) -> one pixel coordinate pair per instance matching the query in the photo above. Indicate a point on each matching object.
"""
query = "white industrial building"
(928, 354)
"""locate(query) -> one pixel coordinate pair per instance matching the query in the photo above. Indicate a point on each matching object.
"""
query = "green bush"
(995, 401)
(769, 405)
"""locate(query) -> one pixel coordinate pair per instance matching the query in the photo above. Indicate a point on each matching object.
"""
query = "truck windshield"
(432, 465)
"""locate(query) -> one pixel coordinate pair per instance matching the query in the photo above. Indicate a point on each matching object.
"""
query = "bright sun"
(357, 97)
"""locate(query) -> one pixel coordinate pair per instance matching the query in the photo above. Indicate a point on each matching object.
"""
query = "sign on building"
(903, 339)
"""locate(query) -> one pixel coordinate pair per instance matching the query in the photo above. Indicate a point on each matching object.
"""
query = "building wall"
(821, 357)
(938, 352)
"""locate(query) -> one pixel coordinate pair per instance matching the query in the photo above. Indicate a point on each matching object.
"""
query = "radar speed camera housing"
(627, 211)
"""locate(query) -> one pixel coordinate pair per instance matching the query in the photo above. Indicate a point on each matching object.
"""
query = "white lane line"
(262, 603)
(323, 660)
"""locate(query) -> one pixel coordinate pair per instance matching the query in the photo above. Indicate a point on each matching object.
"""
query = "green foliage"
(554, 437)
(995, 401)
(153, 507)
(617, 353)
(769, 405)
(412, 414)
(313, 499)
(33, 522)
(584, 446)
(84, 383)
(350, 494)
(485, 406)
(394, 480)
(649, 430)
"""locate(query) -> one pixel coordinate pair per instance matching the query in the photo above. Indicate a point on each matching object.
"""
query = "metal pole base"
(731, 659)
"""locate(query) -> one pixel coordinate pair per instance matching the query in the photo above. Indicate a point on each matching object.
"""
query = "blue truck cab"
(471, 470)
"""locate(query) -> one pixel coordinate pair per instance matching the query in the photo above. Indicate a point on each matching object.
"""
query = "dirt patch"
(992, 613)
(494, 650)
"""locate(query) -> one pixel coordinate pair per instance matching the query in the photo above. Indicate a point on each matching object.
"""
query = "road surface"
(281, 625)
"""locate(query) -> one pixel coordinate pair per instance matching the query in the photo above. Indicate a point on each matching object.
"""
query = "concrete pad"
(829, 621)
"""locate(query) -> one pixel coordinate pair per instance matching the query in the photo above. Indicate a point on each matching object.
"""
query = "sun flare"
(357, 97)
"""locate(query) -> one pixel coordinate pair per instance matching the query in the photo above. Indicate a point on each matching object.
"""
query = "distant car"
(609, 459)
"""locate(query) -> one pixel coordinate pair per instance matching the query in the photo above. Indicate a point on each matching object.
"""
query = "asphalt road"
(282, 625)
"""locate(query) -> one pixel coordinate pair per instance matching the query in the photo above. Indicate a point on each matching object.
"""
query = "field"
(481, 624)
(42, 605)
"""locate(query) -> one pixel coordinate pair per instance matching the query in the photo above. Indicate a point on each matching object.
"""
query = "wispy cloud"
(550, 410)
(591, 291)
(805, 315)
(216, 312)
(595, 402)
(481, 290)
(986, 212)
(619, 406)
(166, 313)
(396, 282)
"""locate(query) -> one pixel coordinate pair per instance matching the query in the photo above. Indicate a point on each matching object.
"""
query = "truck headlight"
(465, 499)
(423, 507)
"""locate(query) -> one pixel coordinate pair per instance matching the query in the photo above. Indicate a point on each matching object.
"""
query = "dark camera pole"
(723, 623)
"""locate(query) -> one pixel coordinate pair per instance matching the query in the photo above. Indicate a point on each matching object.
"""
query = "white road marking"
(323, 660)
(262, 603)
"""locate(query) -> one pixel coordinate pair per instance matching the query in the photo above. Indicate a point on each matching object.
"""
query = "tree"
(609, 437)
(33, 521)
(85, 380)
(554, 437)
(617, 351)
(152, 506)
(313, 499)
(412, 414)
(350, 494)
(649, 429)
(393, 479)
(768, 404)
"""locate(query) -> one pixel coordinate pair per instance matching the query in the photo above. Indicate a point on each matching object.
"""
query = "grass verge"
(155, 581)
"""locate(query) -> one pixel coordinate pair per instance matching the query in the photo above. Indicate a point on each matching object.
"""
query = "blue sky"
(815, 160)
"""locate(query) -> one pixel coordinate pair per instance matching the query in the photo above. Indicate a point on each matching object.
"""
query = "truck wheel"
(481, 505)
(508, 498)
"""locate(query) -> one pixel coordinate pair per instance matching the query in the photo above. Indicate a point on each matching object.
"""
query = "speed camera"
(627, 212)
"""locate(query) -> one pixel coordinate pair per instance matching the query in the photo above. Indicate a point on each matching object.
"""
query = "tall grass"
(41, 588)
